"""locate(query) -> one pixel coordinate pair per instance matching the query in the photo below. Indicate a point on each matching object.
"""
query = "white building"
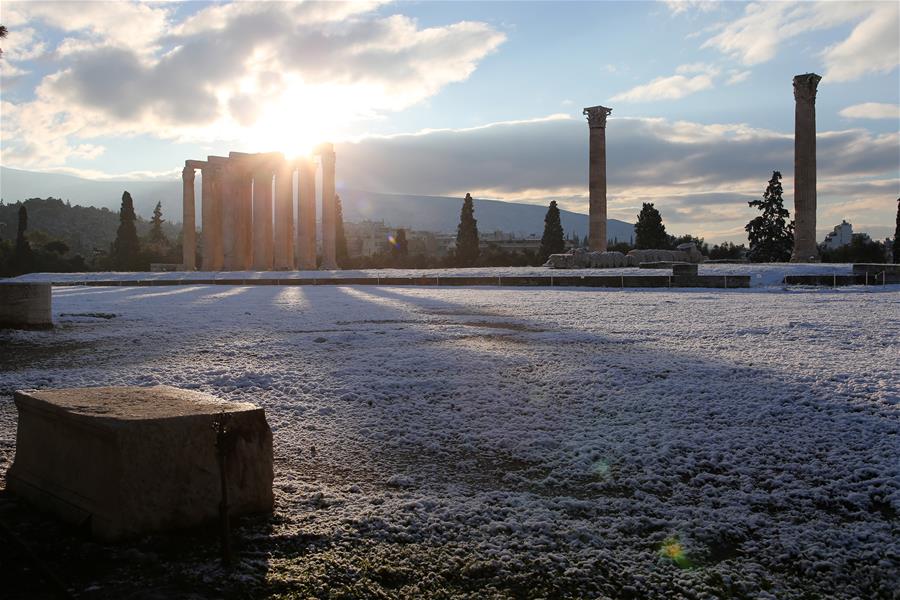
(841, 236)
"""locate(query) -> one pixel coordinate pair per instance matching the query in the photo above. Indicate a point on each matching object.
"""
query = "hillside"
(432, 213)
(82, 228)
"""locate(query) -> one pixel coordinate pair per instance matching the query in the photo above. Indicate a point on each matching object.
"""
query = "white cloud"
(264, 73)
(677, 7)
(872, 110)
(872, 46)
(736, 76)
(666, 88)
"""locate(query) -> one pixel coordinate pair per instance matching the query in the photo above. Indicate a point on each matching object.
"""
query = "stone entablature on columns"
(805, 248)
(596, 116)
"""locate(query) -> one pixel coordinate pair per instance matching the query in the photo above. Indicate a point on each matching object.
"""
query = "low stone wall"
(124, 461)
(25, 305)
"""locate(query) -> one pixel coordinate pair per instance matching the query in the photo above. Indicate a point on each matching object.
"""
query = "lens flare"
(673, 550)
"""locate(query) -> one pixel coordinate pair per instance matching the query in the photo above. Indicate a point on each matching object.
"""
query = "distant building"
(841, 236)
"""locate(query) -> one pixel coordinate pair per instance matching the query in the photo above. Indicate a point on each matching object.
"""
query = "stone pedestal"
(597, 177)
(125, 461)
(25, 305)
(805, 248)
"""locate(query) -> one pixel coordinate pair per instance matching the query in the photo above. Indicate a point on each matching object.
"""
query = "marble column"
(805, 248)
(216, 169)
(306, 211)
(329, 212)
(245, 220)
(262, 219)
(230, 192)
(284, 216)
(189, 221)
(597, 176)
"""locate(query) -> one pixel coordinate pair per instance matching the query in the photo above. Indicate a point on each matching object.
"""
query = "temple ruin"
(248, 215)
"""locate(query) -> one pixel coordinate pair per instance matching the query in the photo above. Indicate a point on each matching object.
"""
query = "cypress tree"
(649, 231)
(895, 248)
(126, 247)
(553, 240)
(467, 234)
(23, 257)
(341, 255)
(156, 233)
(771, 235)
(400, 247)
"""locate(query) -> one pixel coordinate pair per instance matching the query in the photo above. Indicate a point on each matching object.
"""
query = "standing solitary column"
(805, 249)
(215, 171)
(306, 211)
(262, 219)
(284, 216)
(597, 176)
(329, 210)
(189, 225)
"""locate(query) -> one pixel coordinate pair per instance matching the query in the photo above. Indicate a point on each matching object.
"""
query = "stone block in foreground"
(25, 305)
(130, 460)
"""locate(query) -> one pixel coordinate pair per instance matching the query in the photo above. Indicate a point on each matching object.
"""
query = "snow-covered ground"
(530, 442)
(763, 275)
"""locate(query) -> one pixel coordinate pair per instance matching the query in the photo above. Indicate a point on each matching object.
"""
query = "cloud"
(872, 45)
(872, 110)
(678, 7)
(700, 176)
(666, 88)
(264, 73)
(736, 76)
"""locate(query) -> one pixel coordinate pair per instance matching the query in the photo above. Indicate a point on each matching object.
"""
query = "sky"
(444, 98)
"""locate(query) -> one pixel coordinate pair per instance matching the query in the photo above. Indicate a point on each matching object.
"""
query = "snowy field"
(762, 275)
(499, 442)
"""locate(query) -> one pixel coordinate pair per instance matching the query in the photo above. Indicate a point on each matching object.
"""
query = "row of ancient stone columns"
(247, 212)
(805, 249)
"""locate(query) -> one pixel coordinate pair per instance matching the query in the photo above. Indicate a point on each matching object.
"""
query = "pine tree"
(553, 240)
(156, 233)
(649, 231)
(895, 248)
(467, 234)
(340, 239)
(771, 235)
(23, 257)
(126, 248)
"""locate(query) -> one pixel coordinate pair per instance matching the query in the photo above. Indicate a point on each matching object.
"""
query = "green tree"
(553, 240)
(467, 234)
(340, 238)
(771, 235)
(3, 32)
(23, 257)
(728, 251)
(126, 248)
(895, 248)
(649, 231)
(156, 232)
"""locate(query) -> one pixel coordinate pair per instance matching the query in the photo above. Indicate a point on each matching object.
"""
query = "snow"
(598, 437)
(763, 275)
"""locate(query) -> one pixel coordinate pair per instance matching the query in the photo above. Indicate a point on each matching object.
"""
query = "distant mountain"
(429, 213)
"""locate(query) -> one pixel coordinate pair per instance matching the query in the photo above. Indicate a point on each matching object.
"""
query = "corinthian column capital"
(805, 87)
(187, 174)
(596, 116)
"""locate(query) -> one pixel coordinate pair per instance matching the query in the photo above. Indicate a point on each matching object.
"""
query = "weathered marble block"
(130, 460)
(25, 305)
